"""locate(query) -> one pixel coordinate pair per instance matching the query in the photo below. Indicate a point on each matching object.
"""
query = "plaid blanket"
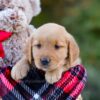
(34, 86)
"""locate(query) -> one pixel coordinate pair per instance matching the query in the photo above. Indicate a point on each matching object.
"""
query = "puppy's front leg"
(20, 70)
(53, 76)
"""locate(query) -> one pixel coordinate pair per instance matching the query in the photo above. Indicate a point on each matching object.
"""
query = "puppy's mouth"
(45, 66)
(49, 67)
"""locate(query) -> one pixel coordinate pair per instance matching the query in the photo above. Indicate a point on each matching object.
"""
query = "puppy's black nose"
(45, 61)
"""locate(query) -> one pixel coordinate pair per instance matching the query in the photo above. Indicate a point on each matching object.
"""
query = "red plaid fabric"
(3, 36)
(34, 86)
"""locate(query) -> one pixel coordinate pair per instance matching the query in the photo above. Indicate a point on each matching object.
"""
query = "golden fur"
(51, 41)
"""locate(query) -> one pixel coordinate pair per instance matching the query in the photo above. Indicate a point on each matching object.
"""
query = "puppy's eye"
(57, 47)
(38, 46)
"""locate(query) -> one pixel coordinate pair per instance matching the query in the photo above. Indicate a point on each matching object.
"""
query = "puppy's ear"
(28, 49)
(73, 50)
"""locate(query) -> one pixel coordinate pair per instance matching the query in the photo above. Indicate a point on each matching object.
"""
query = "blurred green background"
(82, 19)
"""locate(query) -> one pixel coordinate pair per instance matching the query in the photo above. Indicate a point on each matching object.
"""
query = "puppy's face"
(51, 46)
(49, 50)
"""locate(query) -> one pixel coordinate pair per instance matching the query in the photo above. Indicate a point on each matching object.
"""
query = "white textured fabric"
(32, 8)
(13, 20)
(15, 16)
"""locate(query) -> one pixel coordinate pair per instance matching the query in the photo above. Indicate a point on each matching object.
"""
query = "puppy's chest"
(13, 47)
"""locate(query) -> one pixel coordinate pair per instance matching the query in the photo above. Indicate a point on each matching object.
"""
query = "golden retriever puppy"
(52, 49)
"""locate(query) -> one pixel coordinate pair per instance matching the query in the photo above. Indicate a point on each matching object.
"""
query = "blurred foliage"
(82, 19)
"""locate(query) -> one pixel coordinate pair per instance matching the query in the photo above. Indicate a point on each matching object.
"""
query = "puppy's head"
(51, 47)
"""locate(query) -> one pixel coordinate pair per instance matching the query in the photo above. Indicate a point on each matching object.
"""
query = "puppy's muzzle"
(45, 61)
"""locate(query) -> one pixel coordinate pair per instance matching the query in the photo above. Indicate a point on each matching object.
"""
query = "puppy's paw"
(52, 77)
(19, 72)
